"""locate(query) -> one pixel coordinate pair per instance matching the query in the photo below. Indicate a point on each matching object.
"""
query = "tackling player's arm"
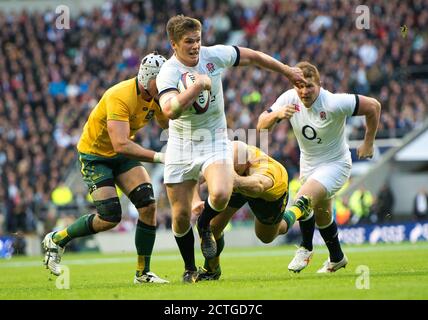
(174, 103)
(162, 121)
(252, 57)
(119, 137)
(370, 108)
(253, 184)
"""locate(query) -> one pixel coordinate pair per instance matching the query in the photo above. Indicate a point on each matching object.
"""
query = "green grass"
(395, 272)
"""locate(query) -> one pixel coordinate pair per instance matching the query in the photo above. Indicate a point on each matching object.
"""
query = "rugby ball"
(202, 102)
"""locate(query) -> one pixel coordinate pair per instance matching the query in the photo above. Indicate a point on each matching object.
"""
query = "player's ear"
(173, 44)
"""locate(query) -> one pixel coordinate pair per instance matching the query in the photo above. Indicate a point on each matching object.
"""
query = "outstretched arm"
(370, 108)
(258, 58)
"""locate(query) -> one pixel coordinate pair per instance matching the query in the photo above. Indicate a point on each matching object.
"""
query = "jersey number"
(310, 134)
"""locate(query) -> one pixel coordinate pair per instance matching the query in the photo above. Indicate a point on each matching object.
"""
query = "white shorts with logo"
(185, 161)
(331, 175)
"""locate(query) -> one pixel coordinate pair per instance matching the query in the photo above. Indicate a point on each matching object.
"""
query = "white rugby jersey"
(320, 129)
(212, 61)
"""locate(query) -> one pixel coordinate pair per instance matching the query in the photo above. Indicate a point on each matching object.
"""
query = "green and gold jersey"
(264, 165)
(122, 102)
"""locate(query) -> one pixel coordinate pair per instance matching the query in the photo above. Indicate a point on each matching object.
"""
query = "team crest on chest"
(210, 67)
(323, 115)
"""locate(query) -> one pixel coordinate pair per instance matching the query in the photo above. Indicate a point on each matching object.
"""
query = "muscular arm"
(268, 120)
(370, 108)
(119, 136)
(262, 60)
(254, 184)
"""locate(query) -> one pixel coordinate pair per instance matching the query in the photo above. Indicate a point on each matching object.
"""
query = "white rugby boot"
(53, 254)
(329, 267)
(301, 259)
(149, 277)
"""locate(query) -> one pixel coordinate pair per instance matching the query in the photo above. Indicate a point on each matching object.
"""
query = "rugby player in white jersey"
(318, 119)
(197, 134)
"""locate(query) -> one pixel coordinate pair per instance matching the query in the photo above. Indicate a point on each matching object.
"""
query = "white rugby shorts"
(185, 161)
(331, 175)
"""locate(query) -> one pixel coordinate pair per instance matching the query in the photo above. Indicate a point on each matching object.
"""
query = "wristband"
(159, 157)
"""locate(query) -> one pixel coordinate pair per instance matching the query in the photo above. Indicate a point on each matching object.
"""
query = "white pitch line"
(264, 253)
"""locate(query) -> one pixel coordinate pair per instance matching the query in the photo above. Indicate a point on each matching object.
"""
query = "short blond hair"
(309, 71)
(178, 25)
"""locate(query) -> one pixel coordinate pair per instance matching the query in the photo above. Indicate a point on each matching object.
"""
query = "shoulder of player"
(122, 90)
(213, 52)
(289, 96)
(332, 101)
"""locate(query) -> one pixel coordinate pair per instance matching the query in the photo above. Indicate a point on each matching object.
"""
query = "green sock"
(290, 218)
(220, 246)
(145, 236)
(80, 228)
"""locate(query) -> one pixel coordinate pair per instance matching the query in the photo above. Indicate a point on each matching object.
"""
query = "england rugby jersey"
(212, 61)
(320, 129)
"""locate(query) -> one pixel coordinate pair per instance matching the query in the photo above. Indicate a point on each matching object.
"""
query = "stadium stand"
(50, 79)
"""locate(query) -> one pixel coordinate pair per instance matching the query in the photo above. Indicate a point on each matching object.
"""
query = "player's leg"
(212, 269)
(135, 183)
(270, 217)
(308, 196)
(328, 230)
(108, 214)
(55, 242)
(180, 198)
(219, 179)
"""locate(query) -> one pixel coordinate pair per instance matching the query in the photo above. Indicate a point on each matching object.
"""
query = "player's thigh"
(131, 179)
(323, 212)
(219, 178)
(220, 221)
(97, 174)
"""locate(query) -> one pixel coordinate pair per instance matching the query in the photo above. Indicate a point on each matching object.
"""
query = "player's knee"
(148, 212)
(142, 196)
(265, 238)
(181, 219)
(219, 199)
(109, 211)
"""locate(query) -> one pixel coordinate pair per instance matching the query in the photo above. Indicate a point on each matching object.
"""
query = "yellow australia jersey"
(122, 102)
(262, 164)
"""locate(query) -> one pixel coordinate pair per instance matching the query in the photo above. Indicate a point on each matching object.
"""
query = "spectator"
(360, 203)
(420, 206)
(384, 203)
(50, 79)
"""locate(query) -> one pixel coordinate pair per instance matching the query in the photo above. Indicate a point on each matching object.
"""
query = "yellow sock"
(141, 264)
(297, 212)
(60, 235)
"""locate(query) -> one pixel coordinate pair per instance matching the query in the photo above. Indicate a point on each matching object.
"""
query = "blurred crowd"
(50, 78)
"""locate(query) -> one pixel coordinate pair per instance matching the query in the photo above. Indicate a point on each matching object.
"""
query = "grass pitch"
(391, 271)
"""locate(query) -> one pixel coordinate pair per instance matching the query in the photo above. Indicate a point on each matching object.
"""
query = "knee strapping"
(142, 196)
(109, 209)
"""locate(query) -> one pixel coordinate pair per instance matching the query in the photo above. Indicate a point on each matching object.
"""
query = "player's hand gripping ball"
(202, 102)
